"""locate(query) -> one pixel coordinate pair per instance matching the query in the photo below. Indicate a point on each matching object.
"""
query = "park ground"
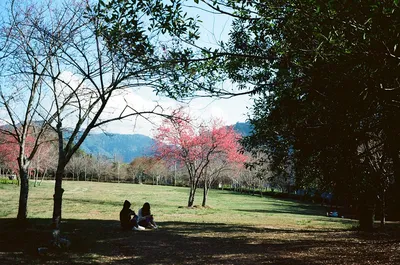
(234, 229)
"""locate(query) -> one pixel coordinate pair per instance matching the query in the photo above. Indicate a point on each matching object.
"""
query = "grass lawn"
(234, 229)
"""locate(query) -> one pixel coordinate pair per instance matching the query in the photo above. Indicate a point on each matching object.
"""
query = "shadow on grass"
(89, 201)
(102, 241)
(298, 209)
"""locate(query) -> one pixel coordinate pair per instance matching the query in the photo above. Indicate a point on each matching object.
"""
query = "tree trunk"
(191, 195)
(23, 196)
(35, 177)
(383, 212)
(394, 149)
(366, 218)
(396, 171)
(58, 193)
(175, 174)
(58, 190)
(43, 176)
(205, 194)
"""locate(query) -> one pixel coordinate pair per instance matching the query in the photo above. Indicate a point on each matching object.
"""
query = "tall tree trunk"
(367, 217)
(396, 171)
(58, 193)
(394, 150)
(192, 192)
(367, 212)
(43, 176)
(58, 190)
(23, 195)
(175, 174)
(383, 209)
(191, 196)
(205, 193)
(35, 177)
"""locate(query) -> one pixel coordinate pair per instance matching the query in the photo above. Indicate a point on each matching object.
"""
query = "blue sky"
(214, 28)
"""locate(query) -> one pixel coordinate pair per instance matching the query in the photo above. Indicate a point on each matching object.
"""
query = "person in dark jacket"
(127, 222)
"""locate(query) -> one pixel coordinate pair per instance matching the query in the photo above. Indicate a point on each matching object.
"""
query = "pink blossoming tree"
(179, 140)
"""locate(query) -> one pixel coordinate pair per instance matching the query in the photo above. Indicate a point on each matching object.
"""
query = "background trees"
(150, 170)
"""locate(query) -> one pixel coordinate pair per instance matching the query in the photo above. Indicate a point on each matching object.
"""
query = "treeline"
(145, 170)
(142, 170)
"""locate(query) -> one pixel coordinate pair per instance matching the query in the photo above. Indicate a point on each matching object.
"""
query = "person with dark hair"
(145, 218)
(127, 222)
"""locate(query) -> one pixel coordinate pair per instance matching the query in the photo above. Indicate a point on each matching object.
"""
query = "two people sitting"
(130, 221)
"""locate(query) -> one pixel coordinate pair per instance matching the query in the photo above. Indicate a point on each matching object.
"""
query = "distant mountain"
(244, 128)
(124, 146)
(129, 146)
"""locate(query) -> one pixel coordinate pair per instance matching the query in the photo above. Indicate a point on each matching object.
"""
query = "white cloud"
(144, 99)
(229, 110)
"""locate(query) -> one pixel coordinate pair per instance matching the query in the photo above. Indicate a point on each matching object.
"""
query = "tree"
(137, 168)
(226, 157)
(325, 99)
(23, 66)
(75, 72)
(180, 140)
(148, 169)
(321, 99)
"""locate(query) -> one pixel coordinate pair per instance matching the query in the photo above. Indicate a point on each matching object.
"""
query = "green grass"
(234, 229)
(103, 201)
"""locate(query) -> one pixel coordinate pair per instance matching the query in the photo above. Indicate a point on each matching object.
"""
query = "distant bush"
(4, 180)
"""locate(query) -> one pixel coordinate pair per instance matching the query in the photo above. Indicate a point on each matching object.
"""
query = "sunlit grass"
(103, 201)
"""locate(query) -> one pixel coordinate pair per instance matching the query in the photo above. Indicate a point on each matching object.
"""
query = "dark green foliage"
(327, 76)
(154, 37)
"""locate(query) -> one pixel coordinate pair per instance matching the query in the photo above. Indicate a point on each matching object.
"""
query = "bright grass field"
(93, 200)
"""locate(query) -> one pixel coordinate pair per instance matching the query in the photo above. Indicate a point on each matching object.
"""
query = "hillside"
(244, 128)
(129, 146)
(124, 146)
